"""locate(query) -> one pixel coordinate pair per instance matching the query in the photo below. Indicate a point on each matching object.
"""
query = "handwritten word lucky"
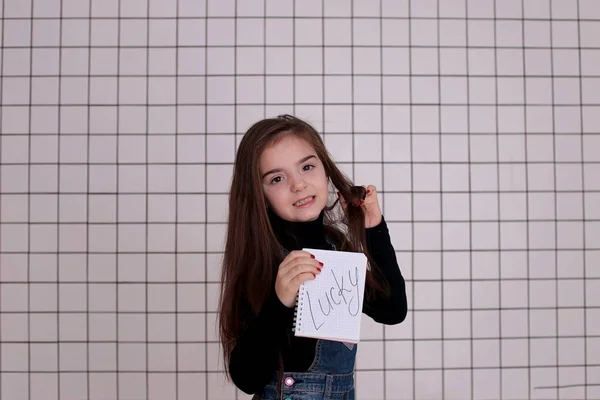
(343, 296)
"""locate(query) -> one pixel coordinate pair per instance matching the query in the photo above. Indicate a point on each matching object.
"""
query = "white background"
(477, 120)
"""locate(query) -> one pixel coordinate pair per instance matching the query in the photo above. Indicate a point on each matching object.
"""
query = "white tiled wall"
(478, 121)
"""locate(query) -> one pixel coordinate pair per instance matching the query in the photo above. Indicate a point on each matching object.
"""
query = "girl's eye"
(308, 167)
(277, 179)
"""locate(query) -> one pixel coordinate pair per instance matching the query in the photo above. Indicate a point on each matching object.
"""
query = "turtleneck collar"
(299, 235)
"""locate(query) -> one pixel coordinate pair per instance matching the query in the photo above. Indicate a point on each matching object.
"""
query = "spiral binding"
(297, 325)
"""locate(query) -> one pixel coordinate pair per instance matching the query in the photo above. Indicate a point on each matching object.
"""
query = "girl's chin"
(306, 214)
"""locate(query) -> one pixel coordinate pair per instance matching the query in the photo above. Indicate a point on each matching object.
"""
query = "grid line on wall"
(177, 222)
(118, 379)
(587, 385)
(294, 58)
(556, 290)
(2, 7)
(300, 17)
(440, 171)
(146, 204)
(470, 212)
(382, 171)
(29, 347)
(498, 197)
(412, 203)
(527, 230)
(206, 321)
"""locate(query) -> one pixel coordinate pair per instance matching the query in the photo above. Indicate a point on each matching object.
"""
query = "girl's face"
(293, 179)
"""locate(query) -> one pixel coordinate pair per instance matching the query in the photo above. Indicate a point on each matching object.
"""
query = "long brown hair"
(252, 252)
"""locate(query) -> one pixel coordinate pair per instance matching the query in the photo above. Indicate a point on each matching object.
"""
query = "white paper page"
(331, 304)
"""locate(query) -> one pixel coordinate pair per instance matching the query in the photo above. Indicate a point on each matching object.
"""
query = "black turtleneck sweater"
(255, 358)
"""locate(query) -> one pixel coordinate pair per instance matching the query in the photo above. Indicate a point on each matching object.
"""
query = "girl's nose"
(298, 185)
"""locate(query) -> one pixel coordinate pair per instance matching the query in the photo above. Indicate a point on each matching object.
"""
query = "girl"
(278, 205)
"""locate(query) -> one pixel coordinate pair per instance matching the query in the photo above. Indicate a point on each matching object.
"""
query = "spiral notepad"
(330, 306)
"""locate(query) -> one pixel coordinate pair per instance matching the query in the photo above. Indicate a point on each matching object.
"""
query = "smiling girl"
(280, 203)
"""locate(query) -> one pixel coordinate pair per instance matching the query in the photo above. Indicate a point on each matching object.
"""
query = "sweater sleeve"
(393, 309)
(255, 357)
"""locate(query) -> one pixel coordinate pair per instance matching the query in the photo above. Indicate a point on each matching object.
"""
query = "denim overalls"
(330, 377)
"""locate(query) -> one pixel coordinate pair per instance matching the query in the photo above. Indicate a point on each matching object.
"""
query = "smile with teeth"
(304, 201)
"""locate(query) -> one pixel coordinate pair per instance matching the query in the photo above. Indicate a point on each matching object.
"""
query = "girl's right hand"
(297, 267)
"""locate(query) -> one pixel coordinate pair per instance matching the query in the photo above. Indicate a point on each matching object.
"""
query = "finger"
(342, 201)
(313, 267)
(288, 273)
(287, 265)
(295, 255)
(371, 195)
(299, 266)
(300, 279)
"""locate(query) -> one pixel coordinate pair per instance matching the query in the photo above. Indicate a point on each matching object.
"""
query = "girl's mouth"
(305, 202)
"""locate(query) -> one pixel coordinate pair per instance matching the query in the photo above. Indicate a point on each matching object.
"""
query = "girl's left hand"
(371, 206)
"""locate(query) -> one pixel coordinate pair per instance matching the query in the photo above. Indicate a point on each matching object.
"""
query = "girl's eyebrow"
(302, 160)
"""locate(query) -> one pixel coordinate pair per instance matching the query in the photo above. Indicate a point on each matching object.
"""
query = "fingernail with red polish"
(320, 263)
(312, 256)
